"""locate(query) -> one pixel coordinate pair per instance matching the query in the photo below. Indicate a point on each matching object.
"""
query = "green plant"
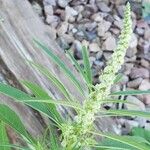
(80, 132)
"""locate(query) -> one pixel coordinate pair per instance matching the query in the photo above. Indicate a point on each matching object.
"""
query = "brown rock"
(134, 83)
(94, 47)
(139, 72)
(109, 44)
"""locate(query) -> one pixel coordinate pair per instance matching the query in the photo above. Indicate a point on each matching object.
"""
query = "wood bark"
(20, 25)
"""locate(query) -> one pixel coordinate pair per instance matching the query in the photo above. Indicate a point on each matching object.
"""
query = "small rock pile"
(97, 25)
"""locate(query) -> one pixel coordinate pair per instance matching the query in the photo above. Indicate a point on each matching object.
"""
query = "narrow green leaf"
(61, 64)
(136, 131)
(36, 90)
(54, 140)
(77, 66)
(118, 78)
(41, 94)
(9, 117)
(53, 79)
(3, 136)
(131, 141)
(131, 92)
(20, 96)
(87, 67)
(126, 113)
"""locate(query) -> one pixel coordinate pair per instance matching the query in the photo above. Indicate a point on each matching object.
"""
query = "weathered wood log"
(20, 24)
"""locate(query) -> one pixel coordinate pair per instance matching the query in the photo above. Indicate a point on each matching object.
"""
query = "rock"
(136, 103)
(68, 37)
(135, 83)
(139, 72)
(145, 85)
(107, 55)
(90, 35)
(48, 10)
(90, 26)
(78, 49)
(52, 20)
(118, 23)
(97, 17)
(124, 79)
(49, 2)
(133, 41)
(109, 44)
(94, 47)
(147, 34)
(62, 3)
(131, 52)
(127, 68)
(70, 13)
(80, 35)
(139, 31)
(103, 7)
(99, 54)
(62, 43)
(145, 63)
(103, 27)
(63, 28)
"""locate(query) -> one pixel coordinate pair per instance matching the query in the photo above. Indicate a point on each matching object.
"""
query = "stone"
(52, 20)
(85, 43)
(109, 44)
(70, 13)
(139, 72)
(49, 2)
(103, 27)
(118, 23)
(103, 7)
(62, 3)
(124, 79)
(99, 55)
(145, 63)
(63, 28)
(97, 17)
(133, 41)
(62, 43)
(139, 31)
(136, 103)
(107, 55)
(94, 47)
(134, 83)
(145, 85)
(147, 34)
(48, 10)
(69, 38)
(127, 68)
(131, 52)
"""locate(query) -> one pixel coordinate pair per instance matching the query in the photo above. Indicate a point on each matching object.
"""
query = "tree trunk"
(20, 25)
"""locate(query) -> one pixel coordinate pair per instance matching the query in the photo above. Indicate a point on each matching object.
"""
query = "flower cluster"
(77, 132)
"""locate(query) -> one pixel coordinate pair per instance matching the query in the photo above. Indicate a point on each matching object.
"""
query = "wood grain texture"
(19, 27)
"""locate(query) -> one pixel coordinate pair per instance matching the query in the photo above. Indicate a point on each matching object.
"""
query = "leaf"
(136, 131)
(77, 66)
(36, 90)
(118, 78)
(131, 141)
(3, 136)
(54, 140)
(86, 63)
(61, 64)
(20, 96)
(56, 102)
(53, 79)
(126, 113)
(9, 117)
(131, 92)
